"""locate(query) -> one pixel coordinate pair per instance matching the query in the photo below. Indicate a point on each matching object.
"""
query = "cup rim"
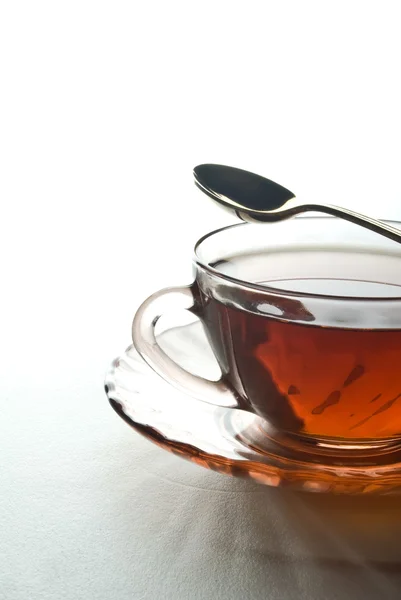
(281, 292)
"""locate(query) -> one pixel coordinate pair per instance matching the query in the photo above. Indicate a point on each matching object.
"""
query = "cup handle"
(145, 342)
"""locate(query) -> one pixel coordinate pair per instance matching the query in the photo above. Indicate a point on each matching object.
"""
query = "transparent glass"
(304, 318)
(236, 442)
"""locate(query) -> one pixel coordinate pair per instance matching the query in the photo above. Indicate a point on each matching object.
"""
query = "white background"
(105, 108)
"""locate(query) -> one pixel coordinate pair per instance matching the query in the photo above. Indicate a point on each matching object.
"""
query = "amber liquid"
(310, 379)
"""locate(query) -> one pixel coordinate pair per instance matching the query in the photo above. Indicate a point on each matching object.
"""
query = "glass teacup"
(304, 318)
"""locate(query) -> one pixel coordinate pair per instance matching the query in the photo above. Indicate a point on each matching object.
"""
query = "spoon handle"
(294, 207)
(373, 224)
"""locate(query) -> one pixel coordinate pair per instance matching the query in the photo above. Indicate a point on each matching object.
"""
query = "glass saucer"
(232, 441)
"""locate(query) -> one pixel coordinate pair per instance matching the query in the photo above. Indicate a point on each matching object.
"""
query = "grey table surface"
(89, 509)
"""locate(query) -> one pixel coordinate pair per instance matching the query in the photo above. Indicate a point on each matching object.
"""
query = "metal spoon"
(255, 198)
